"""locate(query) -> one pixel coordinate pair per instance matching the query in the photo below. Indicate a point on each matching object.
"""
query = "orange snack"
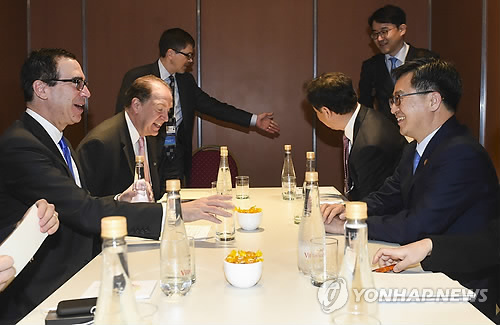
(244, 257)
(253, 209)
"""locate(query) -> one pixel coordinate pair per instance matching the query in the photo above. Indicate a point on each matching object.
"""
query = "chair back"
(205, 166)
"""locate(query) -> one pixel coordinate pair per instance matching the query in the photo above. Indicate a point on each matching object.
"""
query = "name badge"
(170, 137)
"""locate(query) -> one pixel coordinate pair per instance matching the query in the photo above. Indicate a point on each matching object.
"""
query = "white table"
(283, 295)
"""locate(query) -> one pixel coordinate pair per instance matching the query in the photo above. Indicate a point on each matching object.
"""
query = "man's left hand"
(266, 123)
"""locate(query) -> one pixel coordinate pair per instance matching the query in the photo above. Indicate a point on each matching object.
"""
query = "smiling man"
(177, 51)
(107, 153)
(388, 30)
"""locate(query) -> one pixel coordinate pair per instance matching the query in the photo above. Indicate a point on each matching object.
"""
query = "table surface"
(283, 295)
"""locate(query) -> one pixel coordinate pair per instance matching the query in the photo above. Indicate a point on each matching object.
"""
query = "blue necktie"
(67, 155)
(416, 160)
(394, 62)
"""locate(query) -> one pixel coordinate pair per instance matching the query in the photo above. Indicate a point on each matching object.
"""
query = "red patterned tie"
(347, 180)
(146, 162)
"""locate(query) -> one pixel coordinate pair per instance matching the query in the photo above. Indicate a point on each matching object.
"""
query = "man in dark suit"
(388, 25)
(445, 183)
(107, 154)
(36, 160)
(176, 56)
(372, 144)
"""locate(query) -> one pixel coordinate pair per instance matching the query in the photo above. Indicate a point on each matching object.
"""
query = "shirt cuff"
(253, 121)
(117, 196)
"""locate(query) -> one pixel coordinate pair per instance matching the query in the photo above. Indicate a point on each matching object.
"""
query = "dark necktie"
(347, 179)
(416, 160)
(171, 82)
(66, 154)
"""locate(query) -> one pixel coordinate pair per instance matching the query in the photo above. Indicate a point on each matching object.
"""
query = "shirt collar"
(53, 132)
(164, 74)
(422, 145)
(349, 128)
(401, 55)
(132, 131)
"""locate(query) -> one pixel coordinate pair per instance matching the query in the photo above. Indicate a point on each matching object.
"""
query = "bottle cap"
(173, 185)
(311, 176)
(288, 147)
(139, 159)
(356, 210)
(223, 152)
(223, 148)
(113, 227)
(310, 155)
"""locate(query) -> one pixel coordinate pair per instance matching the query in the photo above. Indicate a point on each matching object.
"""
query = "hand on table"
(266, 123)
(207, 207)
(404, 256)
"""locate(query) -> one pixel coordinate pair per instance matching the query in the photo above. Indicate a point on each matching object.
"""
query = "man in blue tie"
(453, 188)
(34, 163)
(388, 30)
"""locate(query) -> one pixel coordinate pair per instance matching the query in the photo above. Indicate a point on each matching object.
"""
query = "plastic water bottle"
(311, 224)
(288, 179)
(116, 302)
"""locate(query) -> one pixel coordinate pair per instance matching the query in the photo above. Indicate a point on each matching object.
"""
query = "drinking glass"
(323, 260)
(242, 187)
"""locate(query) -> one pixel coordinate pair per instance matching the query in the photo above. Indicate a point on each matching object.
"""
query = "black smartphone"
(73, 307)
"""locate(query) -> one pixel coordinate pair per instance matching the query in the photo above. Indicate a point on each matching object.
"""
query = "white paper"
(198, 231)
(142, 289)
(23, 243)
(421, 287)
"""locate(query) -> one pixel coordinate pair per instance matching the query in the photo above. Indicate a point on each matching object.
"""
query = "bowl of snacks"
(249, 219)
(243, 269)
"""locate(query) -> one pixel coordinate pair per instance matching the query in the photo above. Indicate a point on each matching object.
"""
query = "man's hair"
(41, 65)
(334, 91)
(389, 15)
(141, 89)
(175, 39)
(434, 74)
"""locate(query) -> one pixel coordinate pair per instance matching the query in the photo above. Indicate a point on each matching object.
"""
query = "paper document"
(198, 231)
(419, 287)
(25, 240)
(142, 289)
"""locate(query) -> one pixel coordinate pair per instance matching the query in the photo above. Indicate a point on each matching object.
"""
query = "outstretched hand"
(207, 207)
(266, 123)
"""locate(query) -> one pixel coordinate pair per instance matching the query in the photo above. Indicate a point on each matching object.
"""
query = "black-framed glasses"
(79, 82)
(396, 100)
(383, 33)
(190, 56)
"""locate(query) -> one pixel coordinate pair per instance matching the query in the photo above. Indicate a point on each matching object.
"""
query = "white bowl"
(243, 275)
(249, 221)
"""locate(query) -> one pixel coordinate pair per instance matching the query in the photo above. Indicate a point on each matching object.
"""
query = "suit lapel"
(126, 143)
(153, 163)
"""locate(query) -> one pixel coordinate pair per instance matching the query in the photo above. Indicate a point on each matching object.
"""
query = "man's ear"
(436, 101)
(327, 112)
(40, 89)
(402, 29)
(135, 105)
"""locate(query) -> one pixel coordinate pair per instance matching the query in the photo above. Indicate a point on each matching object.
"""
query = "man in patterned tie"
(372, 144)
(107, 153)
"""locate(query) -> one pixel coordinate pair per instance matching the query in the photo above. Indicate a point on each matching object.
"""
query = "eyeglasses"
(79, 82)
(190, 56)
(396, 100)
(383, 33)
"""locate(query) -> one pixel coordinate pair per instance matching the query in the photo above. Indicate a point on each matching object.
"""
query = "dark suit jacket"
(453, 191)
(192, 100)
(376, 83)
(376, 149)
(108, 161)
(32, 167)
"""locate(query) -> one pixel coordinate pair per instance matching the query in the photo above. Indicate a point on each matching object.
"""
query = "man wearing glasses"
(176, 57)
(388, 26)
(445, 182)
(372, 144)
